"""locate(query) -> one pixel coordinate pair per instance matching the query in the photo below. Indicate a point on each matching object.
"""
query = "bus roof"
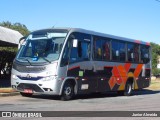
(93, 33)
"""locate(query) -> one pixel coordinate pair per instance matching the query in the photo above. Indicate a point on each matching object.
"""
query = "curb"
(9, 94)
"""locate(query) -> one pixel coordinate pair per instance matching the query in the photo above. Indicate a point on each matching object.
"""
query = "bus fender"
(67, 79)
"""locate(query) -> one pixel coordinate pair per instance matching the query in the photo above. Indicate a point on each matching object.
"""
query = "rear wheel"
(26, 94)
(68, 91)
(128, 88)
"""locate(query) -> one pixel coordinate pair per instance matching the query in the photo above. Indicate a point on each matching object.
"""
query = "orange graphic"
(120, 75)
(138, 70)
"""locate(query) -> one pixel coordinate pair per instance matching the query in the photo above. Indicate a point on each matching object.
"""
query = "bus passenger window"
(133, 52)
(136, 53)
(130, 52)
(118, 51)
(101, 48)
(107, 50)
(97, 50)
(122, 53)
(144, 54)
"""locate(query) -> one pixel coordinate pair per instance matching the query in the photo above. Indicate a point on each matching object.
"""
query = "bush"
(156, 72)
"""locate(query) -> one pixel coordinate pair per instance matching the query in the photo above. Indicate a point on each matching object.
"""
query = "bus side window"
(118, 51)
(81, 52)
(136, 53)
(130, 52)
(115, 50)
(97, 49)
(101, 48)
(144, 54)
(107, 51)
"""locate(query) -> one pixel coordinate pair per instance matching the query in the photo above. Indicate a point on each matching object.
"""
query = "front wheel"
(128, 88)
(68, 91)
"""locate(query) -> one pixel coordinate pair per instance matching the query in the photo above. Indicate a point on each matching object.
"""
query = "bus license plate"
(28, 91)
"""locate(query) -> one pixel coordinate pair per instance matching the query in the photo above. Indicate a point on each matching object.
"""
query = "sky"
(135, 19)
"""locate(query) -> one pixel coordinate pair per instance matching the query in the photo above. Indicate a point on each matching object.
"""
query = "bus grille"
(28, 69)
(34, 87)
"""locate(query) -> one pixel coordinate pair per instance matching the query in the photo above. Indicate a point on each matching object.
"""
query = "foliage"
(155, 54)
(10, 49)
(16, 26)
(9, 53)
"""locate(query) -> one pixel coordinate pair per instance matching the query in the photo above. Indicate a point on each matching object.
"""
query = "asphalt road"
(145, 100)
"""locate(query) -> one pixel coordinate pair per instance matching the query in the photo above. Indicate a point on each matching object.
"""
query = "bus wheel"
(26, 94)
(128, 88)
(68, 91)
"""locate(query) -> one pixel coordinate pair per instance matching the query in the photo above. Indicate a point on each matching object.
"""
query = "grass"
(155, 84)
(6, 90)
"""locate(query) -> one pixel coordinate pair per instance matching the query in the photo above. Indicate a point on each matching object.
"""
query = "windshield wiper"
(46, 59)
(28, 61)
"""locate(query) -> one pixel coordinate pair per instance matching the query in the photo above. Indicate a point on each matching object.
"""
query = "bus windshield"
(41, 47)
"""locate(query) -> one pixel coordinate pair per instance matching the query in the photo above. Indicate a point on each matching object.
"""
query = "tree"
(155, 54)
(16, 26)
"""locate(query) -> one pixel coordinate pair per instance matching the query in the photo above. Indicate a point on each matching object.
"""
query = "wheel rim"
(129, 88)
(68, 91)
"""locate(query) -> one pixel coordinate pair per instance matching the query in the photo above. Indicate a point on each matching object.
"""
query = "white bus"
(71, 61)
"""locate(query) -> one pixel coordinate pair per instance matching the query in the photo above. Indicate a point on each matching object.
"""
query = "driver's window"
(82, 51)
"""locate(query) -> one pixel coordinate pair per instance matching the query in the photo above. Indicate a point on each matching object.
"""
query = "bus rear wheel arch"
(128, 88)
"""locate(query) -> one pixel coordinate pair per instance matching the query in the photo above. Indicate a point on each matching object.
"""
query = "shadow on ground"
(98, 95)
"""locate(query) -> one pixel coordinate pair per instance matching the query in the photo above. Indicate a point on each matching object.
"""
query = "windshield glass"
(40, 47)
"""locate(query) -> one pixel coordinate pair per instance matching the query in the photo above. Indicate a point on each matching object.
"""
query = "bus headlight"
(14, 77)
(49, 78)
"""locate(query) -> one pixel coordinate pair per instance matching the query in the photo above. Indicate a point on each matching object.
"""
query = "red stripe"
(148, 69)
(148, 44)
(137, 41)
(74, 67)
(108, 66)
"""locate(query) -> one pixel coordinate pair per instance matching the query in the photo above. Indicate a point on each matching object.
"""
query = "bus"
(71, 61)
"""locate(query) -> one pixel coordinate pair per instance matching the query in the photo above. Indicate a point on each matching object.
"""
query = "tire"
(68, 91)
(128, 88)
(26, 94)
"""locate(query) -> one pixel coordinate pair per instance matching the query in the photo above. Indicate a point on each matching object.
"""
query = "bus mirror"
(21, 41)
(22, 38)
(75, 42)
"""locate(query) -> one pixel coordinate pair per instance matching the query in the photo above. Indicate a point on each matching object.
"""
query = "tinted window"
(118, 51)
(144, 54)
(82, 51)
(101, 48)
(133, 52)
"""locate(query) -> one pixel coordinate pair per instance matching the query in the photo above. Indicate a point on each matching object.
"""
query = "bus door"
(80, 65)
